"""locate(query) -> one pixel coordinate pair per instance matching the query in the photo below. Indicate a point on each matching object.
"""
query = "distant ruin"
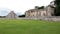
(11, 15)
(47, 11)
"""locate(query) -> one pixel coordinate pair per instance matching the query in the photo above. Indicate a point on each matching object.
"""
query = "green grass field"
(29, 27)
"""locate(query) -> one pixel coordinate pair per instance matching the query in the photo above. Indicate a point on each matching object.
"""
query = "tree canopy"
(57, 9)
(37, 7)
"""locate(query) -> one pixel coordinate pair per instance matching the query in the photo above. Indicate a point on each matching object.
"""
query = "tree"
(37, 7)
(21, 16)
(57, 9)
(42, 7)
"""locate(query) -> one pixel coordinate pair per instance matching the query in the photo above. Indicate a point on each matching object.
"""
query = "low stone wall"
(48, 18)
(51, 18)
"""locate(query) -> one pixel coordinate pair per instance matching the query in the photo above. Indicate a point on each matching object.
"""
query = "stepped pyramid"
(11, 15)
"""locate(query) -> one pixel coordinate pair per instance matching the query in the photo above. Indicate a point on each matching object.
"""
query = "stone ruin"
(48, 11)
(11, 15)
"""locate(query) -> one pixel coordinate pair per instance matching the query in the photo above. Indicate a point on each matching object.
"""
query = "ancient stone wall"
(47, 18)
(48, 11)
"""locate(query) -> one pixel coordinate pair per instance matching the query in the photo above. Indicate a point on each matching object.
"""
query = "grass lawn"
(29, 27)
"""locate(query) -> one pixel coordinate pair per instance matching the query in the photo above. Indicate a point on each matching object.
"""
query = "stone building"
(11, 15)
(48, 11)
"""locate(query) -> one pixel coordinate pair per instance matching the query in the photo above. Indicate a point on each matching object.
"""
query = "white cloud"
(20, 6)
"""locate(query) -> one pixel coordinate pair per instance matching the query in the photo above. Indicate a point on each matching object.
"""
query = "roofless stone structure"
(11, 15)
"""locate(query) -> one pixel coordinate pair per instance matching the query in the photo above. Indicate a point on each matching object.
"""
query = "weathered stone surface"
(48, 11)
(11, 15)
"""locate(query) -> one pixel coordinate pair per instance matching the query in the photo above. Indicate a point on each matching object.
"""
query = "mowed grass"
(29, 27)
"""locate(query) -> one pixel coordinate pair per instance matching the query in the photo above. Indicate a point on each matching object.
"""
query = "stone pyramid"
(11, 15)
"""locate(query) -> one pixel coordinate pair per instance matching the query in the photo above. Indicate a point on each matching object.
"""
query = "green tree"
(57, 9)
(37, 7)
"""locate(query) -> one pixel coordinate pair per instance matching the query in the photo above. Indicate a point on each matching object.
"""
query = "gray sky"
(20, 6)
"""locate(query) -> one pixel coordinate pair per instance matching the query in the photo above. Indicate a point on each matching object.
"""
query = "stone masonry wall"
(48, 18)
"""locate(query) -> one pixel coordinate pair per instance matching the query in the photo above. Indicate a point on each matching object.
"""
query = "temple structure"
(11, 15)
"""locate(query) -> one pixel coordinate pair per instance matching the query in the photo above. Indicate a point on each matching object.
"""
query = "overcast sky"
(20, 6)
